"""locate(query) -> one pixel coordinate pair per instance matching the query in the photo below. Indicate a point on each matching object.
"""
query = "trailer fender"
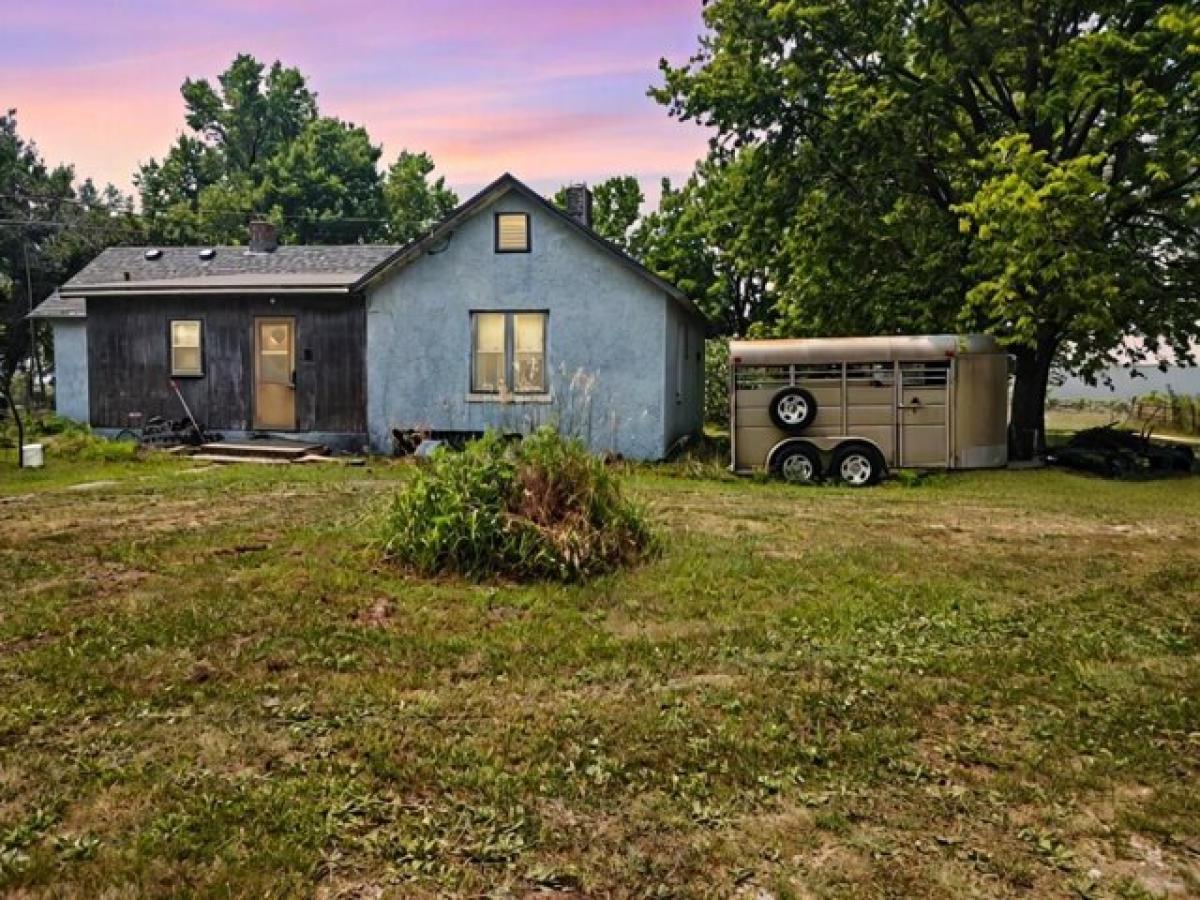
(788, 442)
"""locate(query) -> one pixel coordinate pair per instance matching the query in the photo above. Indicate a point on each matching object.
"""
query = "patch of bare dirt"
(110, 809)
(716, 680)
(1159, 871)
(89, 486)
(344, 888)
(17, 646)
(103, 579)
(377, 615)
(655, 629)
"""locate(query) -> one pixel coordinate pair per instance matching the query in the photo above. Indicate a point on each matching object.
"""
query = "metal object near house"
(162, 433)
(187, 409)
(426, 449)
(33, 456)
(852, 408)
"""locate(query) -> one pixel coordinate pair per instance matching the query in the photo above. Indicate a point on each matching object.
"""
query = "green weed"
(542, 508)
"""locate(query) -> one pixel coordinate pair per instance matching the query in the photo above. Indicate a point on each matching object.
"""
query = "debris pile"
(165, 433)
(1118, 453)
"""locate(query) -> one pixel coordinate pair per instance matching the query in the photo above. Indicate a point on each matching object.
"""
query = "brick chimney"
(579, 204)
(263, 236)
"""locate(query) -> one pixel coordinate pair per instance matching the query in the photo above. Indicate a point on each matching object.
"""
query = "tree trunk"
(7, 399)
(37, 372)
(1027, 424)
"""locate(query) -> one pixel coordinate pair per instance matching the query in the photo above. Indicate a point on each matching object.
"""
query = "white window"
(186, 354)
(508, 352)
(512, 233)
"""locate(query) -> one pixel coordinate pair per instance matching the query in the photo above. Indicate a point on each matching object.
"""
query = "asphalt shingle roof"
(350, 261)
(56, 306)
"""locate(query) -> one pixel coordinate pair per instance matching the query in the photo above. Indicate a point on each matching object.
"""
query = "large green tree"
(259, 146)
(324, 186)
(694, 241)
(1028, 167)
(211, 180)
(616, 205)
(415, 202)
(253, 113)
(49, 226)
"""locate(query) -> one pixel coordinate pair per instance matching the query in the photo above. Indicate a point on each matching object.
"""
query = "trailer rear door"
(922, 414)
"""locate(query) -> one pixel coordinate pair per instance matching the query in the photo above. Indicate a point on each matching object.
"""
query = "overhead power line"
(202, 213)
(84, 226)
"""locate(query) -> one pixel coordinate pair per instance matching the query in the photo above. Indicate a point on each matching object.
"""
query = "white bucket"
(32, 456)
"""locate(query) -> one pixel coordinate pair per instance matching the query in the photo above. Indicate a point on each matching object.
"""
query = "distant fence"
(1179, 412)
(1168, 411)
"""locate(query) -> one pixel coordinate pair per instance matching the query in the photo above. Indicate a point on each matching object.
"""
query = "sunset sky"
(551, 90)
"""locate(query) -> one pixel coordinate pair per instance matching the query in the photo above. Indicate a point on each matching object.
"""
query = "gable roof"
(308, 268)
(508, 183)
(334, 269)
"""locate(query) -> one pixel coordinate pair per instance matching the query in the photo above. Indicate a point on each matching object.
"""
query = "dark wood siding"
(129, 360)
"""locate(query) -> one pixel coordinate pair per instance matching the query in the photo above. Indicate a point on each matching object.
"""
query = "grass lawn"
(976, 684)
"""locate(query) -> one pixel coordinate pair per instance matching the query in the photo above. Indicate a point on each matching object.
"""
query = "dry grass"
(983, 685)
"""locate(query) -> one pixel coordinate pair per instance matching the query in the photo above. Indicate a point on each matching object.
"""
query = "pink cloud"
(549, 89)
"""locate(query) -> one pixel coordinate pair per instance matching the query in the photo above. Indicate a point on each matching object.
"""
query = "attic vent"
(153, 253)
(512, 232)
(207, 253)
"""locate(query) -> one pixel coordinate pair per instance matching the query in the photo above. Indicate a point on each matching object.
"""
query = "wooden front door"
(275, 373)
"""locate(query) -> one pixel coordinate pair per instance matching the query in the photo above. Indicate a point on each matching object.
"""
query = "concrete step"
(265, 449)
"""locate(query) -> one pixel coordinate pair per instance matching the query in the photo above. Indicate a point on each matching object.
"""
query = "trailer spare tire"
(793, 409)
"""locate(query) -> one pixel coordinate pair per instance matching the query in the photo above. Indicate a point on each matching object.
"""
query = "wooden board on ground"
(228, 458)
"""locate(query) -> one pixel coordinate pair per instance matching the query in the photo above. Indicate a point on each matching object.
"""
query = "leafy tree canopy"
(414, 202)
(253, 113)
(1027, 167)
(260, 147)
(324, 186)
(694, 241)
(49, 226)
(616, 205)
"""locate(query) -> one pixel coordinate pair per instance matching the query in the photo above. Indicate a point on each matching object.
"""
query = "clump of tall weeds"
(542, 508)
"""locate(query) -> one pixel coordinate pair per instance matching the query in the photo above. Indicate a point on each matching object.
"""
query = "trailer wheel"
(798, 464)
(857, 465)
(793, 409)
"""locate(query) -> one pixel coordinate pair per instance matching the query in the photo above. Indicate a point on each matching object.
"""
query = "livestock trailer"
(851, 408)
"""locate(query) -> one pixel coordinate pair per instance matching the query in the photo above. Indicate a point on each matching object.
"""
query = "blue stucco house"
(508, 314)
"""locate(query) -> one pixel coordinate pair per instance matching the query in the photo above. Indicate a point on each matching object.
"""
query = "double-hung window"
(508, 353)
(186, 351)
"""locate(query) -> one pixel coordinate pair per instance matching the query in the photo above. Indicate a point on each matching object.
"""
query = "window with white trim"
(508, 352)
(186, 350)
